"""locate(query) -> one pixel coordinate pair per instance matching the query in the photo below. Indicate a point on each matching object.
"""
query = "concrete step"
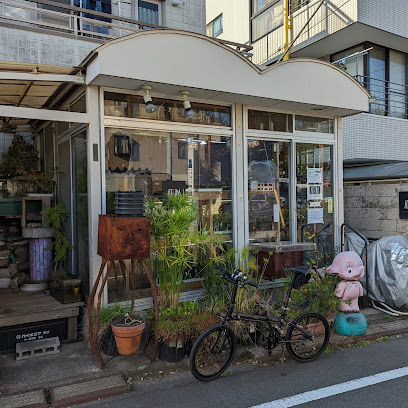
(31, 399)
(37, 348)
(86, 391)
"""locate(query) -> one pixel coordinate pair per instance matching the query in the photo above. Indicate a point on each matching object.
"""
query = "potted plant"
(128, 329)
(178, 328)
(64, 287)
(176, 243)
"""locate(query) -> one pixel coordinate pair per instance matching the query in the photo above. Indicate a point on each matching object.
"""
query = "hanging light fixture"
(188, 111)
(150, 108)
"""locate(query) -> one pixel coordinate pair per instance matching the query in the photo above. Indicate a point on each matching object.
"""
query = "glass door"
(268, 190)
(314, 195)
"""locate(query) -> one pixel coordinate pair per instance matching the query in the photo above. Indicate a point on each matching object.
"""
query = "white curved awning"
(172, 60)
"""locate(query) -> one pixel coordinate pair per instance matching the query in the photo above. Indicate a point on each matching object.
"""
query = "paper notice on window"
(315, 215)
(314, 192)
(276, 213)
(315, 176)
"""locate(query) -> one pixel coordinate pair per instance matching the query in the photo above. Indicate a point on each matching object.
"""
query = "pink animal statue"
(349, 266)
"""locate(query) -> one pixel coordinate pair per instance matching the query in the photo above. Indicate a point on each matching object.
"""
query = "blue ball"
(350, 324)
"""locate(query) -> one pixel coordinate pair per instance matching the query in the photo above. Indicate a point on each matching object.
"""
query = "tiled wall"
(29, 46)
(189, 15)
(38, 46)
(372, 137)
(373, 209)
(388, 15)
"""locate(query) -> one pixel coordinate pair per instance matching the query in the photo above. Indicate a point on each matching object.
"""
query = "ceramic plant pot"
(127, 337)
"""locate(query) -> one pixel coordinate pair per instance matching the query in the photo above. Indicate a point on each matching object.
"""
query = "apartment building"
(369, 40)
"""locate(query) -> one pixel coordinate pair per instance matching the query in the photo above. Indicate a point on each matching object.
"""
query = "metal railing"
(73, 20)
(391, 99)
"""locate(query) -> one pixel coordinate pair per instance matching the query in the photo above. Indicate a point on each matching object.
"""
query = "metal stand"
(93, 328)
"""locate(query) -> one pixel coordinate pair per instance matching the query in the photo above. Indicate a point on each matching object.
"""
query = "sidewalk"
(49, 377)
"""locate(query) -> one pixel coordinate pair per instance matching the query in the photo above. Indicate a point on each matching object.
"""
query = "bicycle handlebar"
(235, 277)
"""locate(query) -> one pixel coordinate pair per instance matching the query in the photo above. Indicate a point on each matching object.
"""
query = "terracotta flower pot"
(128, 337)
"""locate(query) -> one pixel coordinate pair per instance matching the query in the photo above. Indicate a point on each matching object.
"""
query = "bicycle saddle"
(300, 269)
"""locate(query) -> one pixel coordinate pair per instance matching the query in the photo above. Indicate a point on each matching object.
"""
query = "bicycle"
(214, 350)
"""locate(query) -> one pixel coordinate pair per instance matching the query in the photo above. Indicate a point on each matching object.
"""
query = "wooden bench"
(27, 307)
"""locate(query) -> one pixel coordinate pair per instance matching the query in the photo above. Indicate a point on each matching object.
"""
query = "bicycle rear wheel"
(307, 337)
(212, 353)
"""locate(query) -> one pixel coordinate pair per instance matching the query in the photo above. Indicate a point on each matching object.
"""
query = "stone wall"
(373, 209)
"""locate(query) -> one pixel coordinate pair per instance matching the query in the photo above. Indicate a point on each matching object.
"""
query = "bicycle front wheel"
(212, 353)
(307, 337)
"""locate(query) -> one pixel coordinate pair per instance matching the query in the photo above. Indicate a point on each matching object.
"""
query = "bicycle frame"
(278, 321)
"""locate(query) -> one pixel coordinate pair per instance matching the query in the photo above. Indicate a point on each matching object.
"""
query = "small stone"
(20, 243)
(18, 280)
(4, 273)
(22, 265)
(21, 253)
(4, 262)
(4, 254)
(13, 269)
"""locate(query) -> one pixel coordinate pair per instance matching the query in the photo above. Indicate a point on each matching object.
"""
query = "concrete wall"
(373, 209)
(235, 16)
(369, 137)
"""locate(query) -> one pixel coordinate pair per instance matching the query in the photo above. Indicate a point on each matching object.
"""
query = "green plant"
(107, 314)
(35, 182)
(177, 243)
(183, 323)
(317, 294)
(56, 217)
(20, 159)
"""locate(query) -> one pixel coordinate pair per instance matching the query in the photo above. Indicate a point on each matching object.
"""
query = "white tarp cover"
(387, 268)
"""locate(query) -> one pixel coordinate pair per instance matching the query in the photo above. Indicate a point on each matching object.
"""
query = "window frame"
(257, 14)
(135, 6)
(210, 25)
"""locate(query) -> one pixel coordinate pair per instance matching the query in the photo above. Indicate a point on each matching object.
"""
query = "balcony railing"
(391, 99)
(73, 20)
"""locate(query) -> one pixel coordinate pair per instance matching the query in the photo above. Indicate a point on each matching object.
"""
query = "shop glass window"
(266, 16)
(268, 191)
(214, 28)
(167, 110)
(273, 121)
(205, 175)
(312, 124)
(314, 195)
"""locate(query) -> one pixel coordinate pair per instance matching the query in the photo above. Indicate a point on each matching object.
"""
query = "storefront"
(262, 156)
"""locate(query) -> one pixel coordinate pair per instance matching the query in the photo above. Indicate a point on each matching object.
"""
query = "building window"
(148, 12)
(296, 5)
(266, 16)
(272, 121)
(133, 106)
(383, 72)
(206, 177)
(182, 150)
(214, 28)
(312, 124)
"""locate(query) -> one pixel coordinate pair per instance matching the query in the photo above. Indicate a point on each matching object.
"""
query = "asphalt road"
(329, 381)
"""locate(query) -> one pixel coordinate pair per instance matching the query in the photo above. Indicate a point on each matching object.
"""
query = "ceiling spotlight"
(150, 108)
(188, 111)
